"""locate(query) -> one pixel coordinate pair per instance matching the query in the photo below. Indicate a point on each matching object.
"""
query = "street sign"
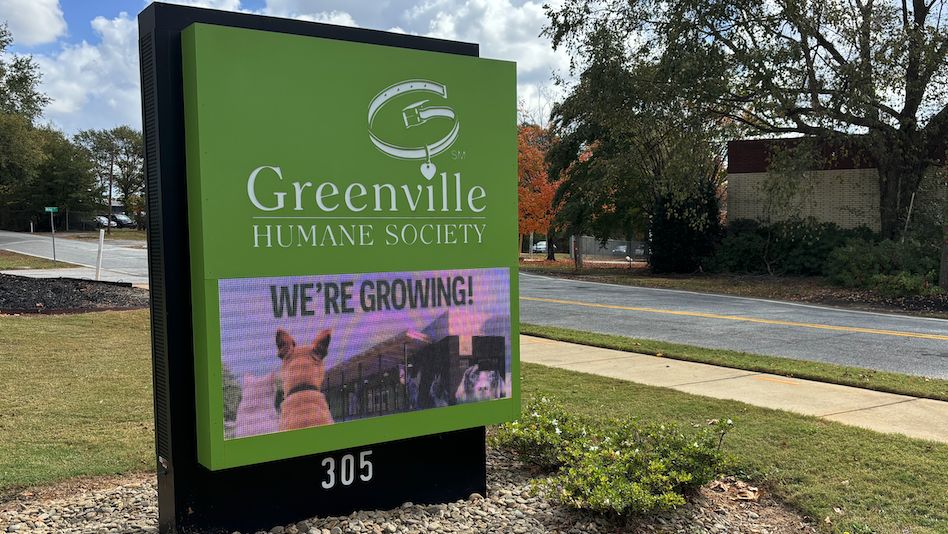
(332, 268)
(52, 209)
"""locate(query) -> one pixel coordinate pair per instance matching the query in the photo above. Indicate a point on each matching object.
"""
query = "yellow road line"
(852, 329)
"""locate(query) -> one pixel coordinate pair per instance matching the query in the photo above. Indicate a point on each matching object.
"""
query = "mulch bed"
(20, 294)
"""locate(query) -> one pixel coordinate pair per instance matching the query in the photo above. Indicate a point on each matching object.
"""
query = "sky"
(87, 49)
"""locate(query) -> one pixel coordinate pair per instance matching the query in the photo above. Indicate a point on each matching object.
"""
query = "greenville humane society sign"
(442, 194)
(352, 223)
(332, 266)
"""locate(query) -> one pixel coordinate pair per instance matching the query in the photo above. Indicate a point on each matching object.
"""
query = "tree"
(864, 75)
(101, 148)
(679, 241)
(20, 155)
(118, 159)
(19, 82)
(64, 178)
(535, 190)
(129, 162)
(633, 158)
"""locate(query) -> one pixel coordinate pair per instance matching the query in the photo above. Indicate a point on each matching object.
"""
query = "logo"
(413, 116)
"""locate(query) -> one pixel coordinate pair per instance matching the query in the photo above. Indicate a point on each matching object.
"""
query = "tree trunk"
(577, 253)
(108, 212)
(550, 251)
(943, 274)
(899, 179)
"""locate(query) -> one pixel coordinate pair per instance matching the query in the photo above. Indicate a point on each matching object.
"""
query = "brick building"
(843, 189)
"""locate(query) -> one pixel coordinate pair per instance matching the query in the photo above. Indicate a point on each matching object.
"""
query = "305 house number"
(344, 471)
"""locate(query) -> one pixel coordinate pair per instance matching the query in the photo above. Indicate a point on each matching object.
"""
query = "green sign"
(353, 233)
(52, 209)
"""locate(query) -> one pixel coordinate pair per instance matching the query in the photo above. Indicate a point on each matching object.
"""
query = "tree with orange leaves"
(536, 209)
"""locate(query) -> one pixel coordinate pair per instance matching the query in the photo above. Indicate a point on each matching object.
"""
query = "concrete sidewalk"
(882, 412)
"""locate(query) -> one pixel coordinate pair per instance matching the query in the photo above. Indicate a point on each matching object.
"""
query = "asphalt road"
(903, 344)
(120, 258)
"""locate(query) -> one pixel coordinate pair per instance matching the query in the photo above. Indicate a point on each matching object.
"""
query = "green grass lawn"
(75, 396)
(916, 386)
(75, 399)
(885, 482)
(13, 260)
(129, 234)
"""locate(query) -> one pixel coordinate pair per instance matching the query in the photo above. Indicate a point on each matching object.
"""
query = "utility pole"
(108, 217)
(52, 227)
(943, 272)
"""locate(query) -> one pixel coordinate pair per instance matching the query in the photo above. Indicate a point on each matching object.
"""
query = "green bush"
(683, 234)
(541, 436)
(798, 247)
(890, 267)
(904, 284)
(619, 468)
(742, 252)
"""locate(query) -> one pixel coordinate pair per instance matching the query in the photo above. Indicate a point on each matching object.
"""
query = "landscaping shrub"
(684, 233)
(541, 436)
(798, 247)
(741, 252)
(890, 267)
(618, 468)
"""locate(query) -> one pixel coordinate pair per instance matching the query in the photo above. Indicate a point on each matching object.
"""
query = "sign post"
(98, 257)
(52, 227)
(333, 283)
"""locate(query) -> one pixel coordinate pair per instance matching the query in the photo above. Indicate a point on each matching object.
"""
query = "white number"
(330, 471)
(347, 472)
(365, 466)
(347, 469)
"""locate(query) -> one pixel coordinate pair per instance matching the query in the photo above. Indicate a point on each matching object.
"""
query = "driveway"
(911, 345)
(123, 260)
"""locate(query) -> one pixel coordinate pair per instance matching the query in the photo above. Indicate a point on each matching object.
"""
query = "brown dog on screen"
(302, 372)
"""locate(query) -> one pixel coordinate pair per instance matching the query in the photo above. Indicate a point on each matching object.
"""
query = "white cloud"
(95, 85)
(33, 22)
(504, 30)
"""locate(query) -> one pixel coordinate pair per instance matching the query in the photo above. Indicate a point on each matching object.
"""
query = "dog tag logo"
(413, 115)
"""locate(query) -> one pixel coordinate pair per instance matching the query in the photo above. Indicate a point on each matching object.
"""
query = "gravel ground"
(19, 294)
(129, 505)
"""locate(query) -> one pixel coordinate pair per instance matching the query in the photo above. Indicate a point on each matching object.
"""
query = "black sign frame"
(428, 469)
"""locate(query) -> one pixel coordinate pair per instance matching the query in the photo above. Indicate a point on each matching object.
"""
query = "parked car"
(540, 247)
(123, 221)
(101, 222)
(622, 251)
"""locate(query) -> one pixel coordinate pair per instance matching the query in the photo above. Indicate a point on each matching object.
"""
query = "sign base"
(424, 470)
